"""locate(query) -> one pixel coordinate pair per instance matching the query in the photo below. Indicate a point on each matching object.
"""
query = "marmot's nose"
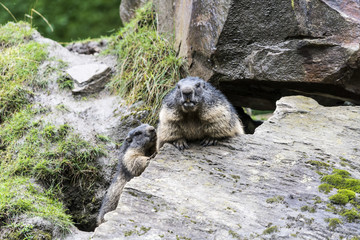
(187, 92)
(151, 129)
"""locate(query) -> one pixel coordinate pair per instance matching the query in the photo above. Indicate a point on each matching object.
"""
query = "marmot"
(136, 152)
(195, 110)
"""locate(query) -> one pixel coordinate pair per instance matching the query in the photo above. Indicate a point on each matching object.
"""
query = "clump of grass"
(18, 67)
(15, 33)
(52, 155)
(148, 63)
(65, 82)
(18, 196)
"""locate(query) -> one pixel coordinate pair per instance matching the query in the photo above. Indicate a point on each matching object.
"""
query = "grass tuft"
(148, 64)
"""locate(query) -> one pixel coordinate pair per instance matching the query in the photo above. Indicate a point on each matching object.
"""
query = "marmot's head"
(143, 137)
(189, 93)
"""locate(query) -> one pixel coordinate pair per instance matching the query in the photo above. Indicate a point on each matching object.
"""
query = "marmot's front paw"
(208, 142)
(181, 144)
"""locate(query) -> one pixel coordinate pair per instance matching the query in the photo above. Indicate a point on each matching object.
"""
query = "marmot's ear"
(129, 139)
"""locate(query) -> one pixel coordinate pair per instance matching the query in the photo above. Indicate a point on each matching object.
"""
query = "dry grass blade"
(8, 11)
(47, 22)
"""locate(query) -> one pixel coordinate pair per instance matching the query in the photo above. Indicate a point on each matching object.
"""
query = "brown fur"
(209, 121)
(137, 151)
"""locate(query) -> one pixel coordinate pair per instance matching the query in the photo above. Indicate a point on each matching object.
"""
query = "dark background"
(70, 19)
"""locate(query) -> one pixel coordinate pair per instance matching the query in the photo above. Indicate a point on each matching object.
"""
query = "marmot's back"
(195, 110)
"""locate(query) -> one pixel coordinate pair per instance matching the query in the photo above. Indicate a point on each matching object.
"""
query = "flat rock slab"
(89, 77)
(250, 187)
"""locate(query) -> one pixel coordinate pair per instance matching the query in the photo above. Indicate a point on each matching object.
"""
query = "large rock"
(128, 7)
(257, 186)
(260, 52)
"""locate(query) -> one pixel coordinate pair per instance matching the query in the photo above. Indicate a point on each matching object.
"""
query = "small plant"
(276, 199)
(351, 215)
(271, 230)
(333, 223)
(308, 209)
(65, 82)
(326, 188)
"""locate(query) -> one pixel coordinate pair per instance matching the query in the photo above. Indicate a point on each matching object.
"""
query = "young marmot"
(136, 152)
(195, 110)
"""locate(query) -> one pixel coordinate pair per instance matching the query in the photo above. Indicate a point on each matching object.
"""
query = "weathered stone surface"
(88, 48)
(128, 7)
(89, 78)
(223, 192)
(103, 114)
(260, 52)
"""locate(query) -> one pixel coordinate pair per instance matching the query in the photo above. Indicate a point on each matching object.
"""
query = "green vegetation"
(326, 188)
(65, 82)
(318, 164)
(14, 34)
(39, 161)
(148, 64)
(308, 209)
(333, 223)
(276, 199)
(347, 189)
(341, 179)
(271, 230)
(18, 67)
(70, 20)
(351, 215)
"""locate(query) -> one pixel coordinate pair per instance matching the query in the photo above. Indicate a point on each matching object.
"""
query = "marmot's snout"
(188, 99)
(152, 133)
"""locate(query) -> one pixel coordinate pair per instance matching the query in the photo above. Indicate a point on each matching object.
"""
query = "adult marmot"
(195, 110)
(136, 152)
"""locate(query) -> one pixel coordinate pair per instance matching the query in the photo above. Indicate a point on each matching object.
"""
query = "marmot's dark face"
(142, 137)
(189, 92)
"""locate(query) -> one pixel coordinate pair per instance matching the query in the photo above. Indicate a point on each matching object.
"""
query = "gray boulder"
(257, 186)
(128, 7)
(264, 51)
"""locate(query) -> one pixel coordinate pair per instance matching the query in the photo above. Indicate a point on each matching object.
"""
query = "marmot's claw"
(181, 144)
(208, 142)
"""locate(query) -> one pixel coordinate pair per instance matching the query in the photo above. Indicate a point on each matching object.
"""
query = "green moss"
(234, 234)
(276, 199)
(308, 209)
(341, 179)
(351, 215)
(148, 63)
(271, 230)
(339, 199)
(350, 194)
(318, 164)
(326, 188)
(341, 172)
(333, 223)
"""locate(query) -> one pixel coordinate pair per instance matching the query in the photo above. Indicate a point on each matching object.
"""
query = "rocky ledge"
(263, 185)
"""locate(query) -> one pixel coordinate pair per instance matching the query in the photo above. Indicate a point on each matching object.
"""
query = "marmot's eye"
(178, 86)
(197, 85)
(137, 133)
